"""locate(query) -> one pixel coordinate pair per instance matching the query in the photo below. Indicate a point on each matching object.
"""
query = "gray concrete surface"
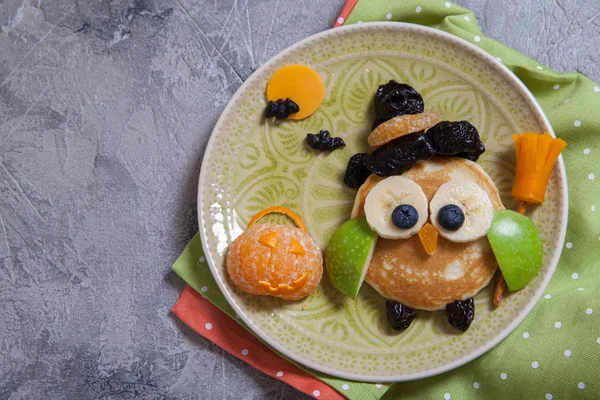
(105, 110)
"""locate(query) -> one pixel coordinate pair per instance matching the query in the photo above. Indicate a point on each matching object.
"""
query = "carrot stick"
(499, 290)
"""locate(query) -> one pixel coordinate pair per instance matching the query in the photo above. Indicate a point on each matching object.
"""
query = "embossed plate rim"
(437, 35)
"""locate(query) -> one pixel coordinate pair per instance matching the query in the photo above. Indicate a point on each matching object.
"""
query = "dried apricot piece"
(403, 125)
(429, 237)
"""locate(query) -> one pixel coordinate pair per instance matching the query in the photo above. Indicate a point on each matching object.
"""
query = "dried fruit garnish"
(399, 155)
(394, 99)
(403, 125)
(390, 160)
(281, 109)
(398, 315)
(459, 139)
(324, 142)
(461, 313)
(356, 172)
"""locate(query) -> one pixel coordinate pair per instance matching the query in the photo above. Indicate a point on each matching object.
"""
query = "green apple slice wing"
(518, 247)
(349, 254)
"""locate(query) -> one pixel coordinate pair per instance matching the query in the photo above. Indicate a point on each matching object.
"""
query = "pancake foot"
(461, 313)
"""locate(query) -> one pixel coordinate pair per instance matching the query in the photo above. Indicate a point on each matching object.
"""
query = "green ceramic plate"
(250, 165)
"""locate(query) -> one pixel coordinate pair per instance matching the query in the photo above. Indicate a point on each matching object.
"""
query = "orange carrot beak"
(429, 237)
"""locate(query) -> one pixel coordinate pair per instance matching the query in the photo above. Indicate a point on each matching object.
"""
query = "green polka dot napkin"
(555, 352)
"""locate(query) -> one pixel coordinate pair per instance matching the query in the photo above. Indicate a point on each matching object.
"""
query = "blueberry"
(451, 217)
(405, 216)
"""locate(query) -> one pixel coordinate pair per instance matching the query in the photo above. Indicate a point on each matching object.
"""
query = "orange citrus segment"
(429, 237)
(299, 83)
(295, 217)
(403, 125)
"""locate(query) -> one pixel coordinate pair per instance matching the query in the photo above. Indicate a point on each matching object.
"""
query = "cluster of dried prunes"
(458, 139)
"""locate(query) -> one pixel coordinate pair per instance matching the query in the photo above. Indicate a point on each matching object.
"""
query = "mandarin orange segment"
(403, 125)
(299, 83)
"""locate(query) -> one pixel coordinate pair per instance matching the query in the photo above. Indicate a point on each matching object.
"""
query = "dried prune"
(274, 108)
(461, 313)
(419, 143)
(356, 173)
(398, 315)
(281, 109)
(399, 155)
(394, 99)
(459, 139)
(291, 106)
(324, 142)
(390, 160)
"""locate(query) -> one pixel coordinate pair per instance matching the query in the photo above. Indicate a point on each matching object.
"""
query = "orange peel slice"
(297, 248)
(278, 209)
(285, 288)
(299, 83)
(403, 125)
(429, 237)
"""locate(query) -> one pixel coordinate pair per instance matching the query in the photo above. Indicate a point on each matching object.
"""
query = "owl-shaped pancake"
(402, 270)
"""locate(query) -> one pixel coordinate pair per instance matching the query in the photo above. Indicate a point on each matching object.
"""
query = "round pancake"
(401, 270)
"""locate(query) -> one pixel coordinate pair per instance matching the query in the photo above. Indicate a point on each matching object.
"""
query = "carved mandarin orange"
(276, 260)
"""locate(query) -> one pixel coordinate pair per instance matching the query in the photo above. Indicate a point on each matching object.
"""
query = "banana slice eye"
(396, 208)
(461, 211)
